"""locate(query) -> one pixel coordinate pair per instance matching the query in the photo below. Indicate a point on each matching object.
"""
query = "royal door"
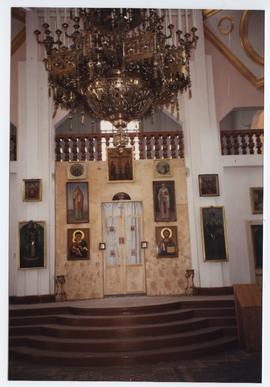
(124, 270)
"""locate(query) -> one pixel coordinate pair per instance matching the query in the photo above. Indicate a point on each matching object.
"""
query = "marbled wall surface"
(164, 276)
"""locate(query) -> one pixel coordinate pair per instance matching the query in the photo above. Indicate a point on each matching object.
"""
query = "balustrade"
(147, 145)
(241, 142)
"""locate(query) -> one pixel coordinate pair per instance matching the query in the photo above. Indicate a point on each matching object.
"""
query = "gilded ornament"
(245, 41)
(223, 29)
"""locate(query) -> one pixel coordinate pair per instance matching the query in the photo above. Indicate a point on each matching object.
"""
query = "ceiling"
(239, 36)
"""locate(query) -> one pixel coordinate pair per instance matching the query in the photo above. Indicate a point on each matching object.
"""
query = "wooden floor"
(122, 301)
(233, 366)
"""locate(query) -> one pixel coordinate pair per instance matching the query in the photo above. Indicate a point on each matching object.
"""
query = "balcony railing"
(241, 142)
(147, 145)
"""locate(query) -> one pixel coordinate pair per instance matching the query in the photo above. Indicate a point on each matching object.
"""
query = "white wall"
(202, 155)
(236, 175)
(237, 181)
(35, 160)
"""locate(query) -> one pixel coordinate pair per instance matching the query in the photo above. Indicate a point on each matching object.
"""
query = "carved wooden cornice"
(18, 40)
(18, 13)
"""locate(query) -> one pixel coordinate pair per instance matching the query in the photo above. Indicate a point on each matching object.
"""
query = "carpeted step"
(58, 330)
(216, 321)
(213, 291)
(120, 358)
(117, 311)
(211, 312)
(85, 320)
(117, 344)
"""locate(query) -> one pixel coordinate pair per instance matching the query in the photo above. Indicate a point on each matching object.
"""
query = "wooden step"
(117, 344)
(58, 330)
(117, 311)
(101, 311)
(121, 358)
(210, 312)
(214, 291)
(86, 336)
(222, 321)
(85, 320)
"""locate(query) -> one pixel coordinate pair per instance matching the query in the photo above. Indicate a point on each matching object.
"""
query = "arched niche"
(121, 196)
(243, 118)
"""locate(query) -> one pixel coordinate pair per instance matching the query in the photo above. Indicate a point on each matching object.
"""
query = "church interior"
(136, 193)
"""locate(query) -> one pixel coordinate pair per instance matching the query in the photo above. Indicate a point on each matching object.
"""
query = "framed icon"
(256, 200)
(162, 168)
(32, 190)
(164, 201)
(214, 238)
(78, 244)
(120, 164)
(77, 171)
(166, 242)
(209, 185)
(257, 244)
(77, 202)
(31, 244)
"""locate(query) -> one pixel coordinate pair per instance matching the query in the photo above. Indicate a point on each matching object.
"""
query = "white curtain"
(133, 215)
(122, 220)
(111, 221)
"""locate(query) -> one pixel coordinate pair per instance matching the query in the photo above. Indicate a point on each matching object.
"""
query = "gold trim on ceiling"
(221, 29)
(210, 12)
(245, 42)
(18, 41)
(257, 82)
(260, 82)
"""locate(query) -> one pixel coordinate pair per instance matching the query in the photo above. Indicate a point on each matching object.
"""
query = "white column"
(35, 160)
(202, 155)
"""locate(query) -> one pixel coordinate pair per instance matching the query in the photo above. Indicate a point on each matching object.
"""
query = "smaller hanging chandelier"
(120, 139)
(117, 65)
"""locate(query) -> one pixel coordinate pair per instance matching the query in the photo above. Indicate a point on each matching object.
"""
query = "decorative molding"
(221, 29)
(19, 14)
(260, 83)
(210, 12)
(18, 41)
(245, 42)
(257, 82)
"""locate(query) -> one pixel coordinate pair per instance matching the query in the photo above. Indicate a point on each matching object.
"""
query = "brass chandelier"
(117, 65)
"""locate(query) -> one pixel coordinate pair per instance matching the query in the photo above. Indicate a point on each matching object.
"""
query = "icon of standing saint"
(77, 203)
(164, 201)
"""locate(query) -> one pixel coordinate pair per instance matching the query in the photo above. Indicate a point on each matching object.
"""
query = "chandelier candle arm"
(45, 15)
(186, 18)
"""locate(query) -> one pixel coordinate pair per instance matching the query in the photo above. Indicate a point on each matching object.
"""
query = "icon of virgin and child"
(79, 247)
